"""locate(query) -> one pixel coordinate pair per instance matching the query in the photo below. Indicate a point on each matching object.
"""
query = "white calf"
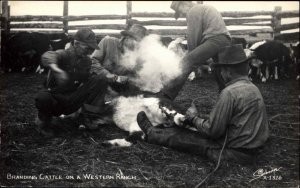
(126, 110)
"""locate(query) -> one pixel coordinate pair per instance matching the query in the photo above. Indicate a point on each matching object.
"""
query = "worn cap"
(137, 31)
(231, 55)
(86, 35)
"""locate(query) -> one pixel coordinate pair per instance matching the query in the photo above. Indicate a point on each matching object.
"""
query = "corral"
(72, 152)
(77, 159)
(270, 22)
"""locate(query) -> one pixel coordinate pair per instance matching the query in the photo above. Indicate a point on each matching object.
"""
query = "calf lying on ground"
(125, 112)
(122, 111)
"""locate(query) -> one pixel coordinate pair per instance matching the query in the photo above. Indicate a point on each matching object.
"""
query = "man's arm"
(98, 69)
(50, 60)
(98, 57)
(219, 117)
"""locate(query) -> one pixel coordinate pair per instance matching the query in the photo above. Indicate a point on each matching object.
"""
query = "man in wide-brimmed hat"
(107, 60)
(206, 35)
(69, 85)
(238, 120)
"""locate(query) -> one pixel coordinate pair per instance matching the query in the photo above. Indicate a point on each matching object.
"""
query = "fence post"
(276, 21)
(5, 16)
(129, 11)
(65, 14)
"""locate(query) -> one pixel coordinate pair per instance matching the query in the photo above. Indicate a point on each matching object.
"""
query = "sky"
(119, 7)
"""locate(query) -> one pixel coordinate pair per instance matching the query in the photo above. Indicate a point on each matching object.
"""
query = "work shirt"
(107, 57)
(203, 22)
(240, 109)
(77, 68)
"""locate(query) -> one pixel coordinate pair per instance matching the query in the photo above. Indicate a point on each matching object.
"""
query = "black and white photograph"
(149, 94)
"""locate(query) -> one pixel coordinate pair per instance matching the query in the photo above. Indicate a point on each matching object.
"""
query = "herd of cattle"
(271, 59)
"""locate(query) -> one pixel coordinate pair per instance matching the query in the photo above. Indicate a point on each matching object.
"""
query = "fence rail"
(232, 18)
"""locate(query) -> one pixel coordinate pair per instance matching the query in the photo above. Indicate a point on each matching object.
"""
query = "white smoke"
(154, 64)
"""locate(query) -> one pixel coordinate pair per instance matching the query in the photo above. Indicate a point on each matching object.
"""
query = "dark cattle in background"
(238, 40)
(274, 54)
(60, 43)
(23, 51)
(295, 55)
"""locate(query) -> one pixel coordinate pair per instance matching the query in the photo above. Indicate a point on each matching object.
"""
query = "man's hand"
(191, 112)
(122, 79)
(61, 77)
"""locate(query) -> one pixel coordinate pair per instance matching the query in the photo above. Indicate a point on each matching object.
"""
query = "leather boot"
(44, 125)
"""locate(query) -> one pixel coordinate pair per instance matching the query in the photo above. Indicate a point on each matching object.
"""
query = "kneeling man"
(70, 85)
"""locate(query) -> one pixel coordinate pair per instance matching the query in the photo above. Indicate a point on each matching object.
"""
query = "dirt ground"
(77, 159)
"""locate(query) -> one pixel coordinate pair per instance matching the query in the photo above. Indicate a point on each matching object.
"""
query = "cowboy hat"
(86, 35)
(137, 31)
(231, 55)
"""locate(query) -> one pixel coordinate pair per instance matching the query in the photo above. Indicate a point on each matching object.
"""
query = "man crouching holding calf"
(69, 85)
(238, 119)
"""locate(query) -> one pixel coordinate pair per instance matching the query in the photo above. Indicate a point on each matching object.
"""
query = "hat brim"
(231, 63)
(131, 34)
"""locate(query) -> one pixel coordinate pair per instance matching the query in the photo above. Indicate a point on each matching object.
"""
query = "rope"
(218, 164)
(283, 129)
(278, 115)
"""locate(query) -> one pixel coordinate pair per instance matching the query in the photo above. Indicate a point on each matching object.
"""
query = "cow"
(23, 50)
(273, 55)
(295, 56)
(61, 42)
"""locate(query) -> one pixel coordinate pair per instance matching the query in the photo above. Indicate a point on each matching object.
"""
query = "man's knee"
(44, 101)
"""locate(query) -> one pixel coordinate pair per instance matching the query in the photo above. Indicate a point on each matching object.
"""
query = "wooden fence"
(61, 24)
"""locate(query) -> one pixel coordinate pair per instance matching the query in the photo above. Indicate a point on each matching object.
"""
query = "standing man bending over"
(206, 35)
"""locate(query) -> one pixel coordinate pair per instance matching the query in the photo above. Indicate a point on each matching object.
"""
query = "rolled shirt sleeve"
(98, 58)
(50, 57)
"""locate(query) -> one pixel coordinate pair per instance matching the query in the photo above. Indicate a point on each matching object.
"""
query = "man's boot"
(174, 137)
(44, 123)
